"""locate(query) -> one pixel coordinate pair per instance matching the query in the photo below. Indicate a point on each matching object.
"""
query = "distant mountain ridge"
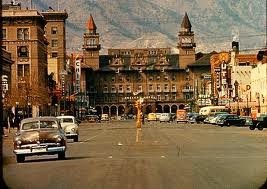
(121, 22)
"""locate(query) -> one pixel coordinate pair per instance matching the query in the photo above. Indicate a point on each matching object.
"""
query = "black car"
(260, 123)
(200, 118)
(231, 119)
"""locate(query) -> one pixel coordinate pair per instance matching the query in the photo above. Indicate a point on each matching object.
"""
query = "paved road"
(159, 156)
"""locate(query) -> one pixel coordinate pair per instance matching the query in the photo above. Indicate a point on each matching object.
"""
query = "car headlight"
(18, 142)
(58, 139)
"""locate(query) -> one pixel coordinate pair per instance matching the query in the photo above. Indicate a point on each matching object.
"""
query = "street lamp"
(56, 110)
(17, 109)
(259, 102)
(236, 84)
(49, 109)
(29, 104)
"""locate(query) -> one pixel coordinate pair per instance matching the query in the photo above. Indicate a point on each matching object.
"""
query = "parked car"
(165, 117)
(158, 116)
(192, 119)
(200, 118)
(92, 118)
(70, 127)
(39, 136)
(230, 119)
(104, 117)
(259, 123)
(152, 117)
(248, 121)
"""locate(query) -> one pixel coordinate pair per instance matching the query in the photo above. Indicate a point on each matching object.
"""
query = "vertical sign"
(4, 85)
(78, 74)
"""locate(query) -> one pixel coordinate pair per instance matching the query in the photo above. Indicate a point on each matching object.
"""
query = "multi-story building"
(23, 37)
(115, 81)
(231, 75)
(56, 36)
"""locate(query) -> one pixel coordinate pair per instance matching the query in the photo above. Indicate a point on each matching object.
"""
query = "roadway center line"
(86, 140)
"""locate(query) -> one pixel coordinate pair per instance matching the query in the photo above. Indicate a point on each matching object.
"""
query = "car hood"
(44, 135)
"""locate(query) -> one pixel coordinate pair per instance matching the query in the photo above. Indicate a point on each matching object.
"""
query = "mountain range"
(156, 23)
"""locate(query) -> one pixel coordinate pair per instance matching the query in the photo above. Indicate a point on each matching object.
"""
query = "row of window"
(151, 88)
(24, 33)
(140, 79)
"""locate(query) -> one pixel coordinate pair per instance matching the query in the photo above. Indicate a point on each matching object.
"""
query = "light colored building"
(55, 34)
(259, 86)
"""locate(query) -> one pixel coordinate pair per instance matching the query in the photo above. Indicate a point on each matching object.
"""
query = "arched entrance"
(166, 109)
(121, 110)
(129, 110)
(173, 108)
(148, 109)
(105, 110)
(159, 109)
(181, 106)
(113, 111)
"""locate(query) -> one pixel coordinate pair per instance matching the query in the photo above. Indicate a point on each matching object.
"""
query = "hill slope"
(215, 22)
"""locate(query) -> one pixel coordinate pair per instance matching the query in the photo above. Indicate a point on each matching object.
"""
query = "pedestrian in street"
(5, 124)
(143, 119)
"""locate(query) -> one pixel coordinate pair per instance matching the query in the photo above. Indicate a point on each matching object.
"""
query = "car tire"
(76, 139)
(61, 155)
(20, 158)
(260, 126)
(251, 127)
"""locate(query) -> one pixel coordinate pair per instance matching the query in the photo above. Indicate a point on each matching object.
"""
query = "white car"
(70, 126)
(165, 117)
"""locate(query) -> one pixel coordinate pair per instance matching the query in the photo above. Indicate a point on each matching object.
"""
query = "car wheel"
(20, 158)
(61, 155)
(251, 127)
(260, 126)
(75, 139)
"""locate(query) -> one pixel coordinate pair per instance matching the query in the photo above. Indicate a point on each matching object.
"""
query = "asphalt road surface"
(116, 155)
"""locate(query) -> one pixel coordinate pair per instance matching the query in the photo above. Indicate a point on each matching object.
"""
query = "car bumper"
(71, 135)
(40, 151)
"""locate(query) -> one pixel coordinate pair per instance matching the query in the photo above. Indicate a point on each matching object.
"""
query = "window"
(139, 88)
(128, 79)
(105, 89)
(173, 97)
(3, 34)
(158, 98)
(23, 70)
(54, 54)
(166, 78)
(166, 97)
(53, 30)
(158, 88)
(23, 33)
(120, 79)
(23, 51)
(113, 79)
(158, 78)
(151, 78)
(54, 43)
(128, 88)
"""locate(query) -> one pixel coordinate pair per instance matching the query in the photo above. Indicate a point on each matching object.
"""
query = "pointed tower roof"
(186, 22)
(91, 23)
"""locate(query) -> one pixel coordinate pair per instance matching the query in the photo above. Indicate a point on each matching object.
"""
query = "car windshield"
(39, 125)
(66, 120)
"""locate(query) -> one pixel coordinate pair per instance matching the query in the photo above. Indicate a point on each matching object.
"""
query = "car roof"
(65, 116)
(45, 118)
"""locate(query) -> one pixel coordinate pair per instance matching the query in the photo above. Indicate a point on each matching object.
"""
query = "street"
(116, 155)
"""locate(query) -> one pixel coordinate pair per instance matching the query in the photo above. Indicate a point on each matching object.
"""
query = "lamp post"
(29, 104)
(49, 109)
(259, 102)
(236, 84)
(56, 110)
(17, 110)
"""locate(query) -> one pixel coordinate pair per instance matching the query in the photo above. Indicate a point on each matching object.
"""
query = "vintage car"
(70, 127)
(39, 136)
